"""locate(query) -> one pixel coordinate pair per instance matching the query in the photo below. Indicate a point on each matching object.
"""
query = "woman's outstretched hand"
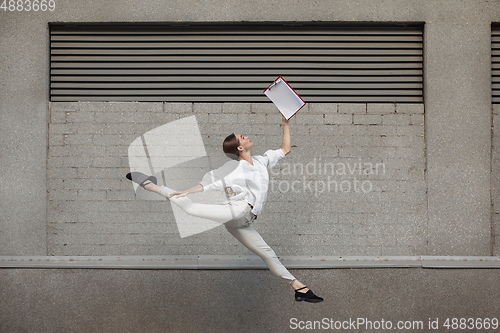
(179, 194)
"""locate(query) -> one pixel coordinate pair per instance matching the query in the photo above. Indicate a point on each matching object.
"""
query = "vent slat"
(239, 85)
(250, 78)
(232, 72)
(239, 59)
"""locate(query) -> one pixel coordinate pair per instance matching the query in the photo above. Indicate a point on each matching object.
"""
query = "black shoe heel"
(141, 179)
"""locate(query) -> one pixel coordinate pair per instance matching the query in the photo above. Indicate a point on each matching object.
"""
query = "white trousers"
(238, 220)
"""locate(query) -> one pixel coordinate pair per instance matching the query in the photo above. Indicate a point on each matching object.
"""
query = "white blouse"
(242, 180)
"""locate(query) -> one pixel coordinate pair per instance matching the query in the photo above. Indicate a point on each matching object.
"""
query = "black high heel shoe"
(141, 179)
(308, 296)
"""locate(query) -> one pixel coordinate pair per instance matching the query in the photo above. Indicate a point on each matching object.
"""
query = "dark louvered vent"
(236, 62)
(495, 62)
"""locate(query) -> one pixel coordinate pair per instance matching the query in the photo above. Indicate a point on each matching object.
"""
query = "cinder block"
(311, 119)
(396, 119)
(409, 108)
(74, 184)
(106, 162)
(55, 162)
(218, 118)
(368, 152)
(150, 107)
(410, 130)
(275, 118)
(125, 129)
(417, 119)
(77, 161)
(93, 173)
(379, 130)
(112, 140)
(178, 107)
(56, 139)
(250, 119)
(380, 108)
(496, 142)
(496, 124)
(207, 107)
(90, 128)
(218, 128)
(78, 139)
(322, 108)
(118, 117)
(56, 151)
(344, 140)
(80, 116)
(58, 117)
(64, 106)
(496, 108)
(236, 108)
(352, 108)
(371, 119)
(60, 194)
(98, 151)
(368, 141)
(93, 106)
(328, 130)
(124, 162)
(268, 108)
(338, 119)
(115, 195)
(56, 218)
(62, 173)
(121, 106)
(159, 118)
(401, 141)
(411, 152)
(258, 130)
(62, 129)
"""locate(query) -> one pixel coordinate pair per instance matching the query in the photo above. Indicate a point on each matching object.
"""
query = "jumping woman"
(245, 179)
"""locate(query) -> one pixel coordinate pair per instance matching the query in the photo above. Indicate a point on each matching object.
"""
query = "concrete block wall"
(354, 183)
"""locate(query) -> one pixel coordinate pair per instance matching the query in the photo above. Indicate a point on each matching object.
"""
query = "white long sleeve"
(245, 181)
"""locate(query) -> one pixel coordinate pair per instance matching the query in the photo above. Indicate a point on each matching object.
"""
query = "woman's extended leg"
(217, 213)
(249, 237)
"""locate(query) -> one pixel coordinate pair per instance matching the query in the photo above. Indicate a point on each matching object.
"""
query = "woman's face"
(245, 142)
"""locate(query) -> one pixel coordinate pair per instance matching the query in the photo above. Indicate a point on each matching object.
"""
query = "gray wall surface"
(448, 204)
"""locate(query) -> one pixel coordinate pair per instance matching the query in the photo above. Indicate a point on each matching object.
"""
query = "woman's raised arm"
(286, 146)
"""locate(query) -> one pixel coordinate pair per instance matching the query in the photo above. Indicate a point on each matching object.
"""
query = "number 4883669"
(471, 323)
(28, 5)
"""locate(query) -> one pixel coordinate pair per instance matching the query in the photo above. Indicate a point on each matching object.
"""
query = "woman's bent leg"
(217, 213)
(249, 237)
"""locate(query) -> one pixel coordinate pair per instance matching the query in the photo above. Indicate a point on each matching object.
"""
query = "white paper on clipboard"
(284, 97)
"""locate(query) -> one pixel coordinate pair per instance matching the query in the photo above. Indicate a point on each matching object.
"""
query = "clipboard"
(284, 97)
